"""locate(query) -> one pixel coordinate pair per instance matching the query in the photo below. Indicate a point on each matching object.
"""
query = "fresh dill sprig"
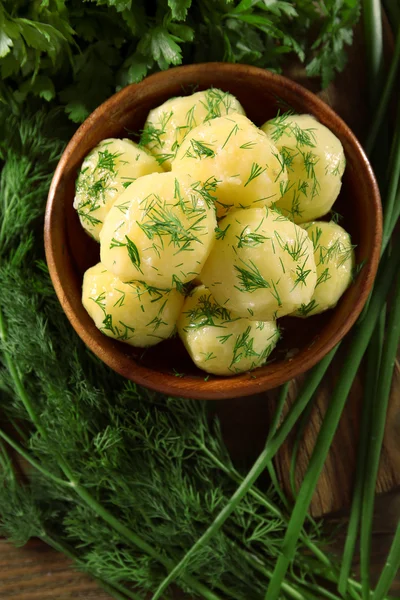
(216, 103)
(199, 150)
(251, 239)
(132, 249)
(243, 348)
(207, 190)
(233, 131)
(206, 313)
(301, 273)
(164, 226)
(255, 171)
(152, 135)
(296, 249)
(323, 277)
(221, 233)
(305, 309)
(250, 278)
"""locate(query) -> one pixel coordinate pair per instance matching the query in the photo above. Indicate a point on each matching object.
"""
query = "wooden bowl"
(167, 367)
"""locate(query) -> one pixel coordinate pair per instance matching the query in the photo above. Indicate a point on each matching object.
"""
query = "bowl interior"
(167, 367)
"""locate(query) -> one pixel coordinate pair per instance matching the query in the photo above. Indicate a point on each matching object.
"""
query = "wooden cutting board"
(245, 421)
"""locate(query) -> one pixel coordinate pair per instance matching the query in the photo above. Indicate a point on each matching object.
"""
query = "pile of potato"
(208, 228)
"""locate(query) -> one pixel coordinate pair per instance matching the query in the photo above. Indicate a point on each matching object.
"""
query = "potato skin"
(261, 266)
(218, 341)
(334, 258)
(315, 162)
(160, 231)
(130, 312)
(234, 155)
(105, 174)
(167, 125)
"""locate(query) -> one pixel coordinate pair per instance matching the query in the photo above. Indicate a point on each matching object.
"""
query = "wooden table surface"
(37, 572)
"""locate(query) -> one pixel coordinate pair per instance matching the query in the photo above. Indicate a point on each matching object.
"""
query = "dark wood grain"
(37, 572)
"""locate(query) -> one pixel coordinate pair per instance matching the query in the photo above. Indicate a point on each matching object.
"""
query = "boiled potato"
(236, 161)
(220, 342)
(315, 163)
(261, 266)
(167, 125)
(159, 231)
(130, 312)
(334, 257)
(106, 172)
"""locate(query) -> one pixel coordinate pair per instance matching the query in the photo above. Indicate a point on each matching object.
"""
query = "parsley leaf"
(179, 8)
(81, 52)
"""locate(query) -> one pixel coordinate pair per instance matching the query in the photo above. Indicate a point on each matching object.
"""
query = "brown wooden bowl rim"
(216, 387)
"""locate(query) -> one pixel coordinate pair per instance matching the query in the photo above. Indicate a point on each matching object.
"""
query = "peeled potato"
(334, 258)
(167, 125)
(261, 266)
(159, 231)
(240, 165)
(315, 163)
(220, 342)
(130, 312)
(106, 172)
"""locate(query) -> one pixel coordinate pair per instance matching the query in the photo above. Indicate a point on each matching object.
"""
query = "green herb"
(302, 273)
(102, 45)
(296, 249)
(199, 150)
(164, 226)
(324, 277)
(250, 278)
(282, 125)
(221, 233)
(255, 172)
(206, 313)
(305, 309)
(132, 250)
(214, 101)
(250, 239)
(243, 348)
(207, 190)
(224, 338)
(233, 131)
(248, 145)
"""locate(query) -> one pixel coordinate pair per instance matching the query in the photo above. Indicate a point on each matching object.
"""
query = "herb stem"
(377, 120)
(6, 464)
(372, 366)
(32, 461)
(81, 491)
(374, 45)
(280, 405)
(395, 218)
(288, 588)
(390, 569)
(358, 346)
(17, 379)
(264, 501)
(117, 591)
(394, 179)
(258, 467)
(377, 429)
